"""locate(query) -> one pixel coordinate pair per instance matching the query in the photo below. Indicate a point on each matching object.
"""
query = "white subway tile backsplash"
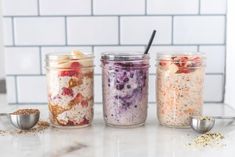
(46, 50)
(137, 30)
(199, 30)
(117, 7)
(32, 89)
(166, 49)
(98, 88)
(65, 7)
(22, 7)
(22, 60)
(213, 90)
(172, 6)
(100, 49)
(39, 31)
(11, 89)
(213, 6)
(8, 33)
(215, 58)
(34, 28)
(92, 30)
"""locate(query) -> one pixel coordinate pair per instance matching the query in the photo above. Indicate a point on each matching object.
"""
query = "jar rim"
(195, 59)
(61, 55)
(167, 55)
(123, 55)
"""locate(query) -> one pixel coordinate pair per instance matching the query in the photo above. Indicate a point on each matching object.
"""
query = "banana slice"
(77, 55)
(80, 55)
(173, 68)
(63, 62)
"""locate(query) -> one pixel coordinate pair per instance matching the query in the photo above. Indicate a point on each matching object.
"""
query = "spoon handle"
(4, 114)
(224, 117)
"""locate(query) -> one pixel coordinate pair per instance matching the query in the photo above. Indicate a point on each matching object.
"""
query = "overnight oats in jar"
(125, 88)
(70, 89)
(180, 81)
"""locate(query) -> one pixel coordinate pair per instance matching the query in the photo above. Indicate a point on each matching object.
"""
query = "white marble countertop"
(98, 140)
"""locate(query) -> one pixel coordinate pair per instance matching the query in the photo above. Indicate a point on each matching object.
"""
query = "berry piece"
(183, 70)
(70, 123)
(162, 63)
(75, 65)
(128, 86)
(119, 86)
(78, 98)
(84, 121)
(68, 73)
(126, 79)
(67, 92)
(84, 103)
(131, 75)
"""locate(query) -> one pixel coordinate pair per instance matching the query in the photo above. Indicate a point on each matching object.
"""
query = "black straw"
(150, 42)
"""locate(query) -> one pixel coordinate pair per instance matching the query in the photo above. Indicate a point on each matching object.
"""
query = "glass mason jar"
(125, 88)
(180, 79)
(70, 89)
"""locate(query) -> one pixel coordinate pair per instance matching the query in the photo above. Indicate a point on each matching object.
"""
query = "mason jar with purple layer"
(125, 88)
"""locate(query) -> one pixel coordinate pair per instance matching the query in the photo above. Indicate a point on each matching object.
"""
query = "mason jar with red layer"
(70, 89)
(180, 79)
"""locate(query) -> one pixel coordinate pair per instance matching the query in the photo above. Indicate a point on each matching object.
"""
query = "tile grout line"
(92, 50)
(199, 7)
(38, 7)
(16, 89)
(172, 29)
(92, 8)
(136, 15)
(225, 58)
(13, 31)
(40, 59)
(102, 45)
(65, 31)
(145, 11)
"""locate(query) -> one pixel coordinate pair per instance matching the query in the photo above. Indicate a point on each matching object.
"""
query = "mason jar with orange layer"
(180, 79)
(70, 89)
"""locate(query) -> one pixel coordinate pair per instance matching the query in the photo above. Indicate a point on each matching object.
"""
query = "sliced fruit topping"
(77, 54)
(84, 103)
(78, 98)
(183, 70)
(173, 68)
(70, 123)
(68, 73)
(84, 121)
(67, 92)
(75, 65)
(186, 64)
(183, 61)
(163, 63)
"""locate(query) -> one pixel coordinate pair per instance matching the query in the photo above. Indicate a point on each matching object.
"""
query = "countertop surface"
(98, 140)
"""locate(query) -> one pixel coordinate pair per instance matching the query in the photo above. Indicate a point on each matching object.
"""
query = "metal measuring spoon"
(203, 124)
(23, 121)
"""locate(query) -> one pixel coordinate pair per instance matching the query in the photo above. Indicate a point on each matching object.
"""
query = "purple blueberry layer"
(125, 93)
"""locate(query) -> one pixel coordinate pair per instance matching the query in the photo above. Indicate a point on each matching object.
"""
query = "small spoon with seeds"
(203, 124)
(23, 119)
